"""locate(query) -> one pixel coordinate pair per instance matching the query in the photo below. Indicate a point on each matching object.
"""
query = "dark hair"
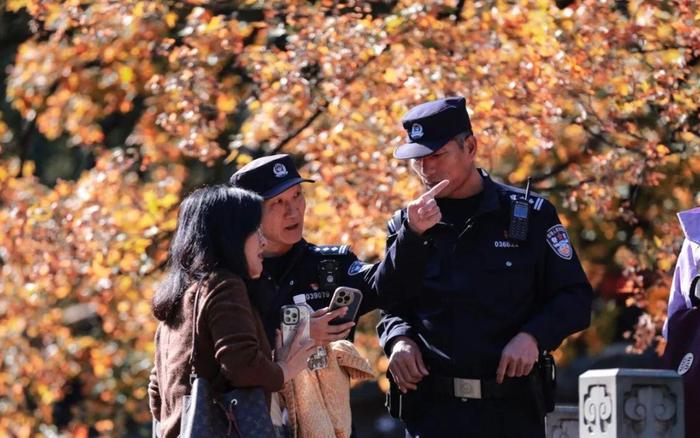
(461, 138)
(212, 227)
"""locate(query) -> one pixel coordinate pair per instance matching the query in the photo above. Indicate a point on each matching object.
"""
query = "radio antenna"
(527, 188)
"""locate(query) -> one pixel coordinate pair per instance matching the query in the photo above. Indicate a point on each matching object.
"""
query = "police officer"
(293, 266)
(483, 279)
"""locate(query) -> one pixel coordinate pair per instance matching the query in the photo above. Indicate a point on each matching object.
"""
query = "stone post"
(630, 403)
(562, 422)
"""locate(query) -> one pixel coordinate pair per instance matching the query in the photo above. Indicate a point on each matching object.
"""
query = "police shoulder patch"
(356, 267)
(558, 240)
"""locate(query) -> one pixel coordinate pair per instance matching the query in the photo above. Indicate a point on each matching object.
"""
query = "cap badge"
(416, 131)
(279, 170)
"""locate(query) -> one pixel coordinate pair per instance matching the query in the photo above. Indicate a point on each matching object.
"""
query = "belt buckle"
(467, 388)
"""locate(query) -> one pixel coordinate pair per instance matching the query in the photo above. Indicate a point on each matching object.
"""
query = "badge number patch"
(685, 364)
(558, 240)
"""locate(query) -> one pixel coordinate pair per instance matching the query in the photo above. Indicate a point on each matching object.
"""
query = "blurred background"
(112, 110)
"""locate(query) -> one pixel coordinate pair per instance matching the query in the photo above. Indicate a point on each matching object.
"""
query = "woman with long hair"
(216, 246)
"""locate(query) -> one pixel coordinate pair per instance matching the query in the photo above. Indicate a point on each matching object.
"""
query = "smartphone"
(293, 316)
(346, 297)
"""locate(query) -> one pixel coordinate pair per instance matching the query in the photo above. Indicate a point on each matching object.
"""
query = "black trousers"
(427, 416)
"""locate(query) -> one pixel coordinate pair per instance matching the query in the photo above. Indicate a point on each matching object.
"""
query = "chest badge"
(558, 240)
(685, 364)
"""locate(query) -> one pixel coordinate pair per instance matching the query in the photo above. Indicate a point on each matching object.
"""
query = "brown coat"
(232, 349)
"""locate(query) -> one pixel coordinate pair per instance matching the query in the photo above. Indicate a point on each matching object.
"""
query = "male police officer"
(293, 266)
(484, 278)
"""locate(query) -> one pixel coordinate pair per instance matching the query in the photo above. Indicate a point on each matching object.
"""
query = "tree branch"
(297, 131)
(323, 106)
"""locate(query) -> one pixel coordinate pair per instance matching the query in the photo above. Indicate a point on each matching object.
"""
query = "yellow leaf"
(393, 23)
(356, 210)
(484, 106)
(171, 19)
(28, 169)
(664, 31)
(390, 76)
(226, 103)
(243, 159)
(665, 264)
(126, 74)
(231, 156)
(169, 200)
(622, 88)
(323, 209)
(138, 10)
(214, 24)
(575, 133)
(357, 117)
(662, 150)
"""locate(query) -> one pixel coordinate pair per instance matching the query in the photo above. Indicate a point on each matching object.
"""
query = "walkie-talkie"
(519, 216)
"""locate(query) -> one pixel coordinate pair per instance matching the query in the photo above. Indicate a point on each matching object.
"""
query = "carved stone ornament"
(651, 410)
(597, 409)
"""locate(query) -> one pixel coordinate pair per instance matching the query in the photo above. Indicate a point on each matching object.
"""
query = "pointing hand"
(424, 213)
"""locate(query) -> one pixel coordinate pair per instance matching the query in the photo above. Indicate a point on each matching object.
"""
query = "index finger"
(338, 329)
(436, 189)
(335, 313)
(320, 312)
(501, 371)
(298, 337)
(278, 339)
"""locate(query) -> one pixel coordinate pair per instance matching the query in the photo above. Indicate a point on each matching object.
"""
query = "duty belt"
(475, 388)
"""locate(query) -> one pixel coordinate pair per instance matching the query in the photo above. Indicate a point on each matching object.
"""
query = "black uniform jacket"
(462, 291)
(299, 272)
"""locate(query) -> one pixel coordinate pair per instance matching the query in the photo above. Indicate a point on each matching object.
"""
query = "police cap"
(433, 124)
(268, 176)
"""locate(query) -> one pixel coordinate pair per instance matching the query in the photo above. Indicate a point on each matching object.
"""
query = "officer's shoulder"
(394, 223)
(338, 250)
(538, 202)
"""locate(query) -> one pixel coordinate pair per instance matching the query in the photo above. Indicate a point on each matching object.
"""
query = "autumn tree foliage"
(596, 101)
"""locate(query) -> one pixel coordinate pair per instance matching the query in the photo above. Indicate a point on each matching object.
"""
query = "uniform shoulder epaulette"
(394, 223)
(536, 200)
(330, 250)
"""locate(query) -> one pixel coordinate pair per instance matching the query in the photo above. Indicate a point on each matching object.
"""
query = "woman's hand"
(293, 358)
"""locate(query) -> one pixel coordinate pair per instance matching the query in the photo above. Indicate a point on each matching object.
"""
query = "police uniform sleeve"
(390, 327)
(564, 295)
(360, 275)
(400, 274)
